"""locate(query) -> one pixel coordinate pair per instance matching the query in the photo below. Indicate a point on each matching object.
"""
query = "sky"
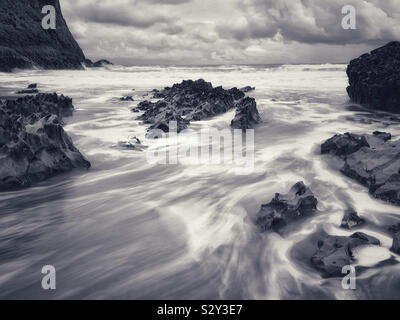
(208, 32)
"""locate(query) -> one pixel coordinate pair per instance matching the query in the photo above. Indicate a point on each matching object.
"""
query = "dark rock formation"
(33, 144)
(284, 208)
(374, 78)
(31, 89)
(335, 252)
(247, 116)
(188, 101)
(371, 160)
(382, 135)
(98, 64)
(396, 243)
(247, 89)
(127, 98)
(351, 220)
(25, 44)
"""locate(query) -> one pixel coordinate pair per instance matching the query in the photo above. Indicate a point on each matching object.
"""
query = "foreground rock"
(372, 160)
(374, 78)
(25, 44)
(335, 252)
(351, 220)
(247, 116)
(396, 243)
(126, 98)
(33, 144)
(191, 101)
(285, 208)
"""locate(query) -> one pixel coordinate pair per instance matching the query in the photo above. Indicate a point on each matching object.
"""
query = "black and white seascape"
(199, 149)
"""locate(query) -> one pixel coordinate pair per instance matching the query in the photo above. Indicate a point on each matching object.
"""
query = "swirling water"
(129, 229)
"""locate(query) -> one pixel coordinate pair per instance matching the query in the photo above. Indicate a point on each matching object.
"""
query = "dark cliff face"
(25, 44)
(374, 78)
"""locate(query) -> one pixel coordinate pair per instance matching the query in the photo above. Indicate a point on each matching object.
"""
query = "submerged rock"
(188, 101)
(351, 220)
(374, 78)
(335, 252)
(247, 116)
(396, 243)
(127, 98)
(33, 143)
(284, 208)
(31, 89)
(247, 89)
(98, 64)
(371, 160)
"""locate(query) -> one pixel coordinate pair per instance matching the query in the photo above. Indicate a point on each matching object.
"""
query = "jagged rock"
(133, 143)
(370, 160)
(247, 116)
(127, 98)
(396, 243)
(374, 78)
(33, 144)
(98, 64)
(25, 44)
(32, 86)
(344, 144)
(247, 89)
(335, 252)
(382, 135)
(187, 101)
(31, 89)
(284, 208)
(351, 220)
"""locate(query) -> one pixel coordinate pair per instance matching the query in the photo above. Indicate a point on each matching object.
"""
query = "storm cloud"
(228, 31)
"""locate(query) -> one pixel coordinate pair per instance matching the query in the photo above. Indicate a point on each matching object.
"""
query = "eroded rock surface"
(33, 143)
(335, 252)
(351, 220)
(190, 101)
(247, 116)
(371, 160)
(284, 208)
(374, 78)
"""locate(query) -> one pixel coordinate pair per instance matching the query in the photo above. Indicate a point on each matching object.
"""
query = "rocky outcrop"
(247, 89)
(372, 160)
(335, 252)
(351, 220)
(285, 208)
(98, 64)
(247, 116)
(33, 143)
(31, 89)
(25, 44)
(374, 78)
(396, 243)
(126, 98)
(190, 101)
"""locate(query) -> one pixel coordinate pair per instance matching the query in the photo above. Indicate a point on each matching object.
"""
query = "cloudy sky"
(133, 32)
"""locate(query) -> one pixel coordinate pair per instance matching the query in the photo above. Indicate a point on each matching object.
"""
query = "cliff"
(25, 44)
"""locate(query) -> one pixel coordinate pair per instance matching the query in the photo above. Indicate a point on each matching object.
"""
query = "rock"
(382, 135)
(396, 243)
(33, 143)
(28, 91)
(374, 78)
(283, 209)
(133, 143)
(31, 89)
(247, 116)
(351, 219)
(25, 44)
(188, 101)
(394, 228)
(371, 160)
(127, 98)
(335, 252)
(344, 144)
(98, 64)
(247, 89)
